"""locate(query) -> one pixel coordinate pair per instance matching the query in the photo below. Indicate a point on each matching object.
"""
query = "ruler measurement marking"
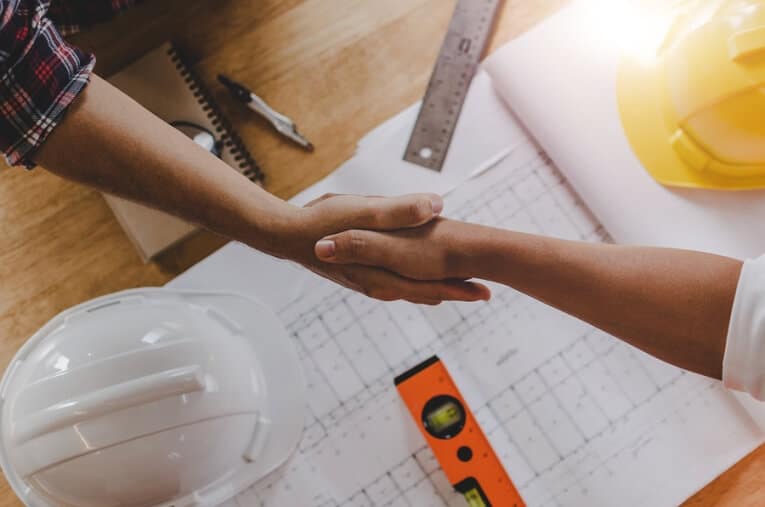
(457, 62)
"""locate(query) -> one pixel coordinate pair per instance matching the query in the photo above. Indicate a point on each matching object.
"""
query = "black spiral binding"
(247, 165)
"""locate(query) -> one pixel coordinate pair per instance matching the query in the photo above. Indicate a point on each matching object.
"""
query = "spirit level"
(459, 444)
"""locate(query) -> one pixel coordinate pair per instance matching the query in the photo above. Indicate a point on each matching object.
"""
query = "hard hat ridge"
(150, 396)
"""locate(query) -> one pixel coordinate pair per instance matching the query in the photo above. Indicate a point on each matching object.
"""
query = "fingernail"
(325, 249)
(437, 204)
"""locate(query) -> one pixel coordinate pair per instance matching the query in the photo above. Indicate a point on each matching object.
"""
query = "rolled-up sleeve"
(744, 362)
(40, 76)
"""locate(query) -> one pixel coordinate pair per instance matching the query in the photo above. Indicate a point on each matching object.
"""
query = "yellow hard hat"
(694, 111)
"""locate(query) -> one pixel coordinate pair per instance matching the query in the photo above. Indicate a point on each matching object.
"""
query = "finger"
(330, 195)
(381, 284)
(478, 290)
(367, 248)
(381, 213)
(319, 199)
(416, 291)
(405, 211)
(408, 256)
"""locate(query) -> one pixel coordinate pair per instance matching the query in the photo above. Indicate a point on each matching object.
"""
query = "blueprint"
(576, 417)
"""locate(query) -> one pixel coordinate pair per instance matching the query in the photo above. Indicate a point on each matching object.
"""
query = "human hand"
(439, 249)
(332, 214)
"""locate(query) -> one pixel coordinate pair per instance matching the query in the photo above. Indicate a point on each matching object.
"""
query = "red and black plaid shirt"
(40, 74)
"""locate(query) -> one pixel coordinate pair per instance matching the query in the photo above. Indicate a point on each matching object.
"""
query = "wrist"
(488, 253)
(278, 231)
(472, 251)
(514, 258)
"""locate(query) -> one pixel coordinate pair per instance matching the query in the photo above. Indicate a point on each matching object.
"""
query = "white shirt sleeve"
(744, 361)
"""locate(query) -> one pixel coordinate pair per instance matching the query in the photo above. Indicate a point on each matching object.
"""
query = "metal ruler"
(469, 31)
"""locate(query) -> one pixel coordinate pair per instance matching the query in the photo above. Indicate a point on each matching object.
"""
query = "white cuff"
(744, 361)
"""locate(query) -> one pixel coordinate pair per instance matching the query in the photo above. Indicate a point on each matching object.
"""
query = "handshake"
(386, 248)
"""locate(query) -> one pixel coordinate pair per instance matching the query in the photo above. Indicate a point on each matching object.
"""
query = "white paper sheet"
(577, 418)
(486, 131)
(560, 79)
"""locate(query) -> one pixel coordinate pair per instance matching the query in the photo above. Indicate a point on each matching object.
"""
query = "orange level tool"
(459, 444)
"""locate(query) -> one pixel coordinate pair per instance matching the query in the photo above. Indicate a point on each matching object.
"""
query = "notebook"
(166, 86)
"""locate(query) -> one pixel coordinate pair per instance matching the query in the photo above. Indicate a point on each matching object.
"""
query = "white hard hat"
(150, 397)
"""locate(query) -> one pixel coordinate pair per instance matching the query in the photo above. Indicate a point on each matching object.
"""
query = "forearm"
(674, 304)
(110, 142)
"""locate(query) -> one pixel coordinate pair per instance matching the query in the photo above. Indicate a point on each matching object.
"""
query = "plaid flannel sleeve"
(40, 75)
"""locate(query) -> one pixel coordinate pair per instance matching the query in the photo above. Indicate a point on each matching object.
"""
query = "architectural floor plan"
(576, 417)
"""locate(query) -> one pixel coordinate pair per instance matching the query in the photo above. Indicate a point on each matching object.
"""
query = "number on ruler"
(458, 59)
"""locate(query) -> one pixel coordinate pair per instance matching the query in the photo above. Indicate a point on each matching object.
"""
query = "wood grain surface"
(339, 67)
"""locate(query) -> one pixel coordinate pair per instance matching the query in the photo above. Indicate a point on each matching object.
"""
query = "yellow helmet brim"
(640, 93)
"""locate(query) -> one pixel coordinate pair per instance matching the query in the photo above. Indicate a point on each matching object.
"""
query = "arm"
(110, 142)
(674, 304)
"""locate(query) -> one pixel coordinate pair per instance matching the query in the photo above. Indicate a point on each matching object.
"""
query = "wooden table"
(340, 67)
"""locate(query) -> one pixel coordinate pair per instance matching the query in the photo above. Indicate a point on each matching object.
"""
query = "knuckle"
(386, 295)
(351, 277)
(381, 293)
(372, 213)
(438, 292)
(354, 243)
(419, 210)
(374, 293)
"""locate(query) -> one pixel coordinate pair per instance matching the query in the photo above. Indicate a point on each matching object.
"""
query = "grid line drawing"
(566, 407)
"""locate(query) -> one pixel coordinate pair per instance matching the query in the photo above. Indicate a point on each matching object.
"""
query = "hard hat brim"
(640, 93)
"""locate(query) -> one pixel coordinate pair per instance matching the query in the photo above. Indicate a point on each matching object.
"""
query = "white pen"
(281, 123)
